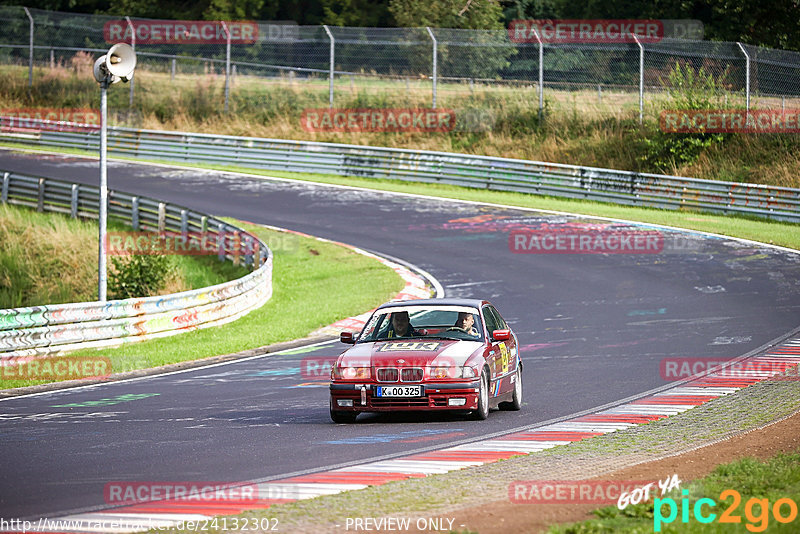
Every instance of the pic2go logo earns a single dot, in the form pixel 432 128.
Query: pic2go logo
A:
pixel 758 521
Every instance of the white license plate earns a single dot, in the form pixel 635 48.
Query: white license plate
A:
pixel 399 391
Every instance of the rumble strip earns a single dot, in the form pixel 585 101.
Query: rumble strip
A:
pixel 684 396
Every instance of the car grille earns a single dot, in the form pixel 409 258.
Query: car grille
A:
pixel 390 402
pixel 411 374
pixel 386 374
pixel 405 374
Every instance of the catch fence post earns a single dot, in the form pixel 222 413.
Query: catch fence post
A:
pixel 435 64
pixel 133 45
pixel 332 59
pixel 227 63
pixel 641 78
pixel 747 75
pixel 30 49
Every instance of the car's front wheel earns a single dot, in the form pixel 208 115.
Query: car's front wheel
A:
pixel 338 416
pixel 516 396
pixel 483 398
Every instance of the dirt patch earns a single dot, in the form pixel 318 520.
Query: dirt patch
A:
pixel 503 516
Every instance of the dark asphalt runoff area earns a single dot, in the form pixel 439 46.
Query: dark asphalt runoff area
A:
pixel 593 329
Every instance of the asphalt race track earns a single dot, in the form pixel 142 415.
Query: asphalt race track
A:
pixel 593 329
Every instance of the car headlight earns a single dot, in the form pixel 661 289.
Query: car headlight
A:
pixel 441 372
pixel 351 373
pixel 451 372
pixel 468 372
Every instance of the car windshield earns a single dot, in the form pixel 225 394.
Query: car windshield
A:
pixel 439 322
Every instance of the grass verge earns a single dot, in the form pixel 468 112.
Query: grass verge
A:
pixel 314 284
pixel 746 227
pixel 50 258
pixel 772 232
pixel 760 485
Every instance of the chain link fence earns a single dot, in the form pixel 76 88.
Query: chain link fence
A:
pixel 431 65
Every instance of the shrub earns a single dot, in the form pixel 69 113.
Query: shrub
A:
pixel 139 275
pixel 687 89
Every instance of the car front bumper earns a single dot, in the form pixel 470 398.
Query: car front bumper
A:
pixel 436 396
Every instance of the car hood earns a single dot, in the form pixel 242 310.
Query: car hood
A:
pixel 413 353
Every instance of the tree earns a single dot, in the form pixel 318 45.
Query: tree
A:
pixel 233 9
pixel 370 13
pixel 532 9
pixel 460 54
pixel 463 14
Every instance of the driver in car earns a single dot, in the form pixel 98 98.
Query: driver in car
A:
pixel 466 322
pixel 401 326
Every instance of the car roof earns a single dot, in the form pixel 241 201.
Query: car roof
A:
pixel 473 303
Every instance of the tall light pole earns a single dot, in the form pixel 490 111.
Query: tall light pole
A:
pixel 115 66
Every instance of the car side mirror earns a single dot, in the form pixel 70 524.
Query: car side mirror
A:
pixel 501 335
pixel 347 337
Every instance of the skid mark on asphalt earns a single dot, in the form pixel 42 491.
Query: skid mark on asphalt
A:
pixel 684 396
pixel 119 399
pixel 404 436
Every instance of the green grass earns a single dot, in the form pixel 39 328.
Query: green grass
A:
pixel 774 479
pixel 314 284
pixel 50 258
pixel 204 271
pixel 43 258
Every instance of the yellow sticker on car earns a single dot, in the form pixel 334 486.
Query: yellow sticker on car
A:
pixel 503 356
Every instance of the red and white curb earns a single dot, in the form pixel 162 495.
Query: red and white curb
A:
pixel 697 391
pixel 415 288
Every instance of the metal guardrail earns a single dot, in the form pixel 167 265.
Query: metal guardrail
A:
pixel 492 173
pixel 52 329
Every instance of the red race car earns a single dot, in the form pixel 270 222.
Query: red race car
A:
pixel 432 355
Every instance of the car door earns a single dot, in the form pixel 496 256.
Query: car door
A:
pixel 494 356
pixel 504 352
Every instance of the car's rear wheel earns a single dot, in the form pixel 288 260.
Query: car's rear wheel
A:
pixel 483 398
pixel 338 416
pixel 516 396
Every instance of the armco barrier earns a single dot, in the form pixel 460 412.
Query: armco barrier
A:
pixel 621 187
pixel 52 329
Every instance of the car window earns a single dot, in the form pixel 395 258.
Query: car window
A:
pixel 426 322
pixel 490 319
pixel 501 324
